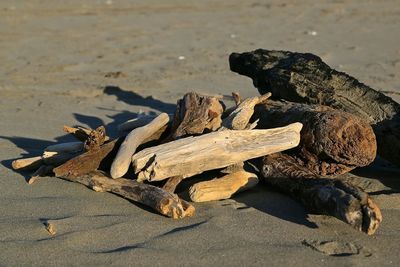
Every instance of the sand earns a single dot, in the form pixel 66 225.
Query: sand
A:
pixel 102 62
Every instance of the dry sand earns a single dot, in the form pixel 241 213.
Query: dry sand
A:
pixel 55 56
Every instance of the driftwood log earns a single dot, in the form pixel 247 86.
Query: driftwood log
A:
pixel 132 141
pixel 191 155
pixel 196 114
pixel 86 162
pixel 237 179
pixel 160 200
pixel 332 141
pixel 223 187
pixel 305 78
pixel 320 195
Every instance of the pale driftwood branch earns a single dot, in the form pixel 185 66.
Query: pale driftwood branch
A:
pixel 160 200
pixel 70 147
pixel 48 158
pixel 240 117
pixel 27 163
pixel 192 154
pixel 135 138
pixel 224 187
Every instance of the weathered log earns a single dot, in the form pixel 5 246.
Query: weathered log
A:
pixel 305 78
pixel 321 195
pixel 86 162
pixel 223 187
pixel 158 199
pixel 196 114
pixel 192 154
pixel 132 141
pixel 332 141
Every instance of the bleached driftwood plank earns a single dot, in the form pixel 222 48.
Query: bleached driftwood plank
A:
pixel 192 155
pixel 224 187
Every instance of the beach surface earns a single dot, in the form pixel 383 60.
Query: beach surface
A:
pixel 93 63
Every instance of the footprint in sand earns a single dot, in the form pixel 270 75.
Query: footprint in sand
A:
pixel 336 248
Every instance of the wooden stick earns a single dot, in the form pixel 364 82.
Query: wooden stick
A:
pixel 172 183
pixel 135 138
pixel 86 162
pixel 305 78
pixel 226 147
pixel 27 163
pixel 160 200
pixel 224 187
pixel 240 117
pixel 80 133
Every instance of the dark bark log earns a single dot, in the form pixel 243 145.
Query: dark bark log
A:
pixel 305 78
pixel 321 195
pixel 86 162
pixel 332 141
pixel 158 199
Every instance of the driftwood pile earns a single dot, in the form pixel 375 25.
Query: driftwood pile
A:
pixel 296 147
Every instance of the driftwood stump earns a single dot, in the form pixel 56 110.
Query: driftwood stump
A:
pixel 305 78
pixel 196 114
pixel 332 141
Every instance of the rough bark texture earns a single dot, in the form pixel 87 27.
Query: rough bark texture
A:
pixel 95 139
pixel 85 163
pixel 196 114
pixel 223 187
pixel 305 78
pixel 192 154
pixel 321 195
pixel 332 141
pixel 160 200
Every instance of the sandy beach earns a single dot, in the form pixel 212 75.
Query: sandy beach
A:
pixel 98 62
